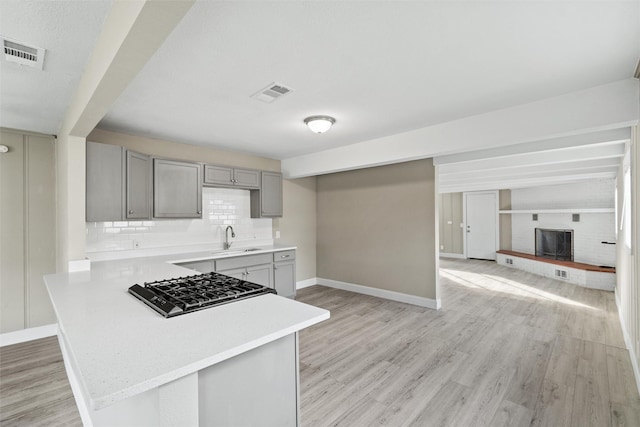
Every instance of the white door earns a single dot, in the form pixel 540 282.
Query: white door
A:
pixel 481 227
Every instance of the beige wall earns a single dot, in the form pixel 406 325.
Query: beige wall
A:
pixel 298 223
pixel 451 234
pixel 181 151
pixel 504 200
pixel 377 228
pixel 70 203
pixel 628 262
pixel 27 229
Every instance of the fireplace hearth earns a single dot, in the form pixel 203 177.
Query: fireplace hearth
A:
pixel 554 244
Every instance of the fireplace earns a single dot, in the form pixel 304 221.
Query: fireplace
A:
pixel 554 244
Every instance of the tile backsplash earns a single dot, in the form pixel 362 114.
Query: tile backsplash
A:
pixel 220 207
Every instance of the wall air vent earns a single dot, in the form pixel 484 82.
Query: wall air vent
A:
pixel 22 54
pixel 562 274
pixel 271 92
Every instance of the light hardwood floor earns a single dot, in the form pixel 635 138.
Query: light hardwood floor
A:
pixel 508 349
pixel 34 389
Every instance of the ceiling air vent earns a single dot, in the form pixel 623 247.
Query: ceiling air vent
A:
pixel 23 54
pixel 271 93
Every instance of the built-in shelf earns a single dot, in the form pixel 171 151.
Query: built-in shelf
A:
pixel 558 211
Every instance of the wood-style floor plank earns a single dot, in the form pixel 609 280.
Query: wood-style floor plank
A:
pixel 508 348
pixel 34 389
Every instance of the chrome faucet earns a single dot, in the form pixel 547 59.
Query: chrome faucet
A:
pixel 227 245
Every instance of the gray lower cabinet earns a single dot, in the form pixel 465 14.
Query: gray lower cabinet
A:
pixel 260 274
pixel 284 273
pixel 231 177
pixel 267 202
pixel 252 268
pixel 118 183
pixel 275 270
pixel 177 189
pixel 237 273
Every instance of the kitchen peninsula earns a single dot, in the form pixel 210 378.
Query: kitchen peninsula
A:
pixel 234 364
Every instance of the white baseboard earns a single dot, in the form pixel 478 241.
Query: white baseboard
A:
pixel 448 255
pixel 306 283
pixel 28 334
pixel 382 293
pixel 629 344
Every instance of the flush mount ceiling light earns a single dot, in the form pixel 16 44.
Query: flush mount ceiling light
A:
pixel 319 124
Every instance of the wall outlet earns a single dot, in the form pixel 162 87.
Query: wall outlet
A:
pixel 442 247
pixel 277 234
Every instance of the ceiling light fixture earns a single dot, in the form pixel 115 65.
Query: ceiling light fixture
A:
pixel 319 124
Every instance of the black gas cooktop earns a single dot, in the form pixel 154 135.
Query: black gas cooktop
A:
pixel 182 295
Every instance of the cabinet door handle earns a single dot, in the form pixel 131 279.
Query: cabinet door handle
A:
pixel 275 268
pixel 199 212
pixel 248 273
pixel 130 211
pixel 285 256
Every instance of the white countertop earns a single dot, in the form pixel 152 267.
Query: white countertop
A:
pixel 121 347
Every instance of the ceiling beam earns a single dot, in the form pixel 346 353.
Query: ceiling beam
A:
pixel 611 136
pixel 523 183
pixel 131 34
pixel 592 152
pixel 610 106
pixel 535 171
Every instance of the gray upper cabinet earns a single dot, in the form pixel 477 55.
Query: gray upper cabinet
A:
pixel 246 178
pixel 231 177
pixel 138 186
pixel 118 183
pixel 177 189
pixel 267 203
pixel 105 182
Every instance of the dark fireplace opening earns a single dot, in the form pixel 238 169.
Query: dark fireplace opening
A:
pixel 554 244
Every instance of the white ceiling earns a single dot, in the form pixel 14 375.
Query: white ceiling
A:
pixel 37 100
pixel 380 68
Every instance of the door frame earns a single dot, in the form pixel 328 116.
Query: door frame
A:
pixel 496 193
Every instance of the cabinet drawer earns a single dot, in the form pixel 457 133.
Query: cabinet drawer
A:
pixel 284 255
pixel 242 261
